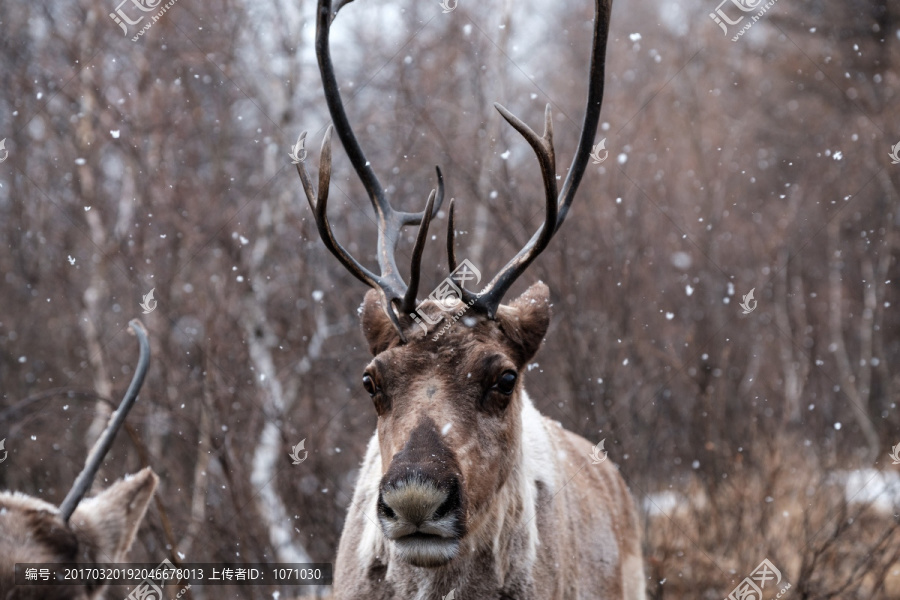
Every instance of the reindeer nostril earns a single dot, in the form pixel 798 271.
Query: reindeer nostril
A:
pixel 385 510
pixel 451 503
pixel 444 508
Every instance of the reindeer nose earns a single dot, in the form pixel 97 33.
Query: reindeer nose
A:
pixel 422 499
pixel 422 492
pixel 417 503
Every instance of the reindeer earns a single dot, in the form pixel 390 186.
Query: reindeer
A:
pixel 466 490
pixel 99 529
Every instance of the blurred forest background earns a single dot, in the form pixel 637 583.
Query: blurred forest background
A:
pixel 758 164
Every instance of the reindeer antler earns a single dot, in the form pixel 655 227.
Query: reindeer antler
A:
pixel 557 207
pixel 102 445
pixel 392 289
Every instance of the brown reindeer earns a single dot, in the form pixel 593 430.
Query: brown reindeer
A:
pixel 467 491
pixel 99 529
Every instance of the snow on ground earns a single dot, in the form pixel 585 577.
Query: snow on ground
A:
pixel 881 489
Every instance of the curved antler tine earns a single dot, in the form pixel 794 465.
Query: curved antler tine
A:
pixel 557 206
pixel 324 227
pixel 319 206
pixel 409 299
pixel 467 296
pixel 548 133
pixel 451 238
pixel 543 148
pixel 336 106
pixel 324 170
pixel 101 447
pixel 597 76
pixel 440 192
pixel 415 218
pixel 440 196
pixel 325 166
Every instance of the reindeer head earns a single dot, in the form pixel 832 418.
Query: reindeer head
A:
pixel 99 529
pixel 449 405
pixel 449 418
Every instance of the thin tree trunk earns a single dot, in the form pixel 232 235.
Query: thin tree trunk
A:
pixel 269 450
pixel 97 288
pixel 201 473
pixel 857 394
pixel 790 360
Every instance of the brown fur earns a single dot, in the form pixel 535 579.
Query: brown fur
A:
pixel 533 517
pixel 101 529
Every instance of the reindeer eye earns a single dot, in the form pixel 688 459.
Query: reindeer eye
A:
pixel 506 383
pixel 369 384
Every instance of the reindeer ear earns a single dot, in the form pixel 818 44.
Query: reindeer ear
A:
pixel 525 321
pixel 376 326
pixel 110 520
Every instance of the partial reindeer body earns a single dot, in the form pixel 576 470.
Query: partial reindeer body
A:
pixel 509 502
pixel 466 489
pixel 101 529
pixel 97 530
